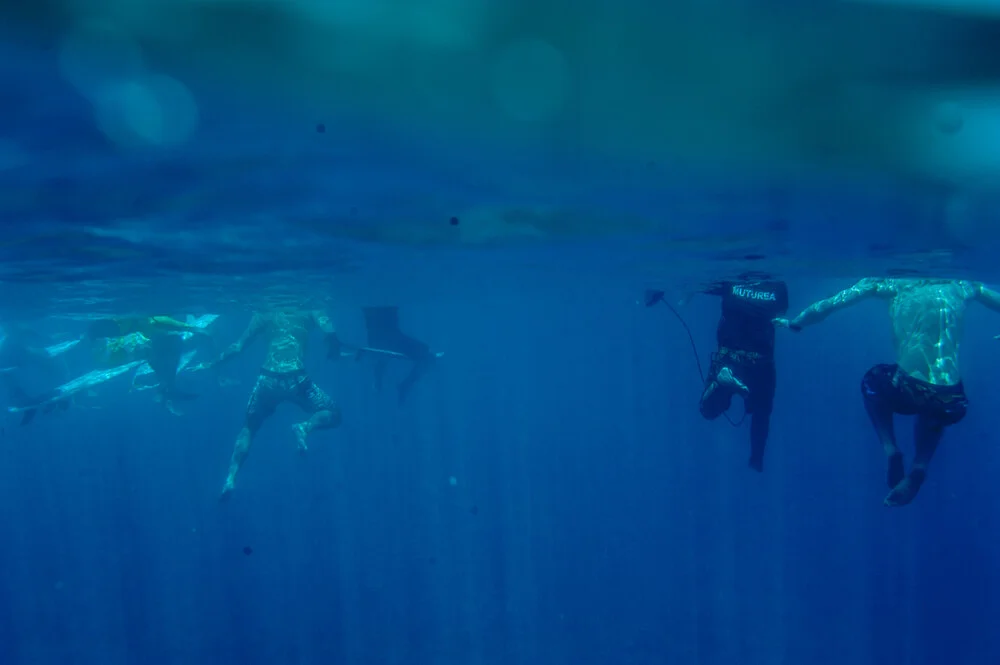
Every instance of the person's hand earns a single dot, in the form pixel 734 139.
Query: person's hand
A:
pixel 652 297
pixel 785 323
pixel 333 346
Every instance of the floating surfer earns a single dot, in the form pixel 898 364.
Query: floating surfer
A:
pixel 387 341
pixel 927 317
pixel 283 378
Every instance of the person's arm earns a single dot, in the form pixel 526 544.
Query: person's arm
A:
pixel 654 296
pixel 169 324
pixel 986 296
pixel 818 311
pixel 719 289
pixel 239 346
pixel 325 325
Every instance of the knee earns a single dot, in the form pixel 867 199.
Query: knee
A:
pixel 250 426
pixel 954 414
pixel 243 440
pixel 875 379
pixel 866 384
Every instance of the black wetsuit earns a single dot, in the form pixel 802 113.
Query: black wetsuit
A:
pixel 384 333
pixel 746 346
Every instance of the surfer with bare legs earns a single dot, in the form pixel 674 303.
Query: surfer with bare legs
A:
pixel 927 317
pixel 283 378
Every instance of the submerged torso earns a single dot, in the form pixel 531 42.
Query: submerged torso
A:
pixel 927 324
pixel 747 311
pixel 288 341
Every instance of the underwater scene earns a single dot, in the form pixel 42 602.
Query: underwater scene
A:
pixel 497 332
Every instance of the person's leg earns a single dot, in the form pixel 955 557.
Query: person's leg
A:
pixel 163 355
pixel 936 415
pixel 381 363
pixel 324 413
pixel 927 434
pixel 420 367
pixel 716 397
pixel 261 405
pixel 422 359
pixel 760 402
pixel 878 391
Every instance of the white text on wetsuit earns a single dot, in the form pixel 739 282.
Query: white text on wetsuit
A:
pixel 750 294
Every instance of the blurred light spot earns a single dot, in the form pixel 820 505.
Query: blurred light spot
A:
pixel 970 153
pixel 452 480
pixel 152 110
pixel 97 52
pixel 530 80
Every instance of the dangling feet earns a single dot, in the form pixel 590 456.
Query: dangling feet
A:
pixel 896 472
pixel 301 432
pixel 906 490
pixel 726 378
pixel 227 488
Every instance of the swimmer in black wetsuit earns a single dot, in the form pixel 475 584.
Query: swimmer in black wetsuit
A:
pixel 384 333
pixel 744 362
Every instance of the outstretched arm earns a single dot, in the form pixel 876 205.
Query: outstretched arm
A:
pixel 720 289
pixel 249 335
pixel 865 288
pixel 169 324
pixel 987 296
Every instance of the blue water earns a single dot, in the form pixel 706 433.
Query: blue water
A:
pixel 549 494
pixel 594 516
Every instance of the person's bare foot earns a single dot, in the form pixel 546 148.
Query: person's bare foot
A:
pixel 725 377
pixel 906 490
